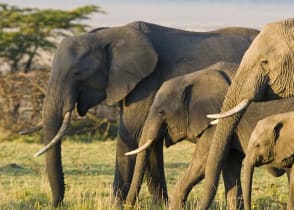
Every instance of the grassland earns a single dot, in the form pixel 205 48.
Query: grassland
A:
pixel 89 169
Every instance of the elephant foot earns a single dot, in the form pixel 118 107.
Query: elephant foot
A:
pixel 117 202
pixel 57 199
pixel 56 203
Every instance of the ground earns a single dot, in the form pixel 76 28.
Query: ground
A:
pixel 89 169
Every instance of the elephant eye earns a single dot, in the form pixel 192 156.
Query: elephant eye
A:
pixel 161 112
pixel 264 62
pixel 257 145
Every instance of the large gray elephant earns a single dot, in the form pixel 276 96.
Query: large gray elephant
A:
pixel 179 112
pixel 272 144
pixel 266 72
pixel 126 65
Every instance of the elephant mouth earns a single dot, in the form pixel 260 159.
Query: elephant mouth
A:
pixel 87 99
pixel 81 108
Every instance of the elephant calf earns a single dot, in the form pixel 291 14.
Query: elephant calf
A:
pixel 179 112
pixel 271 143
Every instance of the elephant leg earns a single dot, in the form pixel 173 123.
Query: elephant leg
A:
pixel 231 175
pixel 124 166
pixel 55 174
pixel 290 204
pixel 155 173
pixel 194 173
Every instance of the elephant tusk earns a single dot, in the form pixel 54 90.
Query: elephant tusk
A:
pixel 58 136
pixel 214 122
pixel 242 105
pixel 31 130
pixel 140 149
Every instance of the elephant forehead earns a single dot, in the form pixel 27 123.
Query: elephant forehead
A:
pixel 261 130
pixel 170 88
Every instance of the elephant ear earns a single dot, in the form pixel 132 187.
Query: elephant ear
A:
pixel 208 92
pixel 131 58
pixel 283 148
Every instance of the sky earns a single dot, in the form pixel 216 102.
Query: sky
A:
pixel 198 15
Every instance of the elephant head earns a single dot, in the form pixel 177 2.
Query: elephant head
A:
pixel 87 69
pixel 92 67
pixel 266 72
pixel 179 111
pixel 271 143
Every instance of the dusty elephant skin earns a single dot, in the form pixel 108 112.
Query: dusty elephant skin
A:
pixel 126 65
pixel 272 144
pixel 179 112
pixel 266 72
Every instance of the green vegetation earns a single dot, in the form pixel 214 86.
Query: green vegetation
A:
pixel 89 169
pixel 25 31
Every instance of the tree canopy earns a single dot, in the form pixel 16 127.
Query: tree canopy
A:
pixel 25 31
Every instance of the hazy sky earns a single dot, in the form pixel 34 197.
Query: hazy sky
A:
pixel 187 14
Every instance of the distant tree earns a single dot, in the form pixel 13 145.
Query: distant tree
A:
pixel 24 31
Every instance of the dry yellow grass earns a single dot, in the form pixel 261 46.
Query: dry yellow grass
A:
pixel 89 169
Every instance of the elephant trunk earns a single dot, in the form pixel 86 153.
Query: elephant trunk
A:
pixel 250 89
pixel 53 113
pixel 151 131
pixel 51 123
pixel 248 174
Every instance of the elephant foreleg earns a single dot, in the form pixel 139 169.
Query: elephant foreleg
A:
pixel 231 176
pixel 155 173
pixel 124 166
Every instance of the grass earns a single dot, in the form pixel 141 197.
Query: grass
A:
pixel 89 169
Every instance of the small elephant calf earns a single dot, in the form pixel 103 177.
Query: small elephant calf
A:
pixel 272 144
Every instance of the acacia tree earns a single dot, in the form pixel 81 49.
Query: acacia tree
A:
pixel 24 31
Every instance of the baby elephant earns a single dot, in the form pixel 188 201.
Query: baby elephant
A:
pixel 272 144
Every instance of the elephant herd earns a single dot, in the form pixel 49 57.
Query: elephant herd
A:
pixel 168 84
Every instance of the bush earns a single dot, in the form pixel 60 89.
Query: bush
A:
pixel 21 100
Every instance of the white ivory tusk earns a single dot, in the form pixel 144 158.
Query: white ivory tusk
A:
pixel 140 149
pixel 214 122
pixel 242 105
pixel 58 136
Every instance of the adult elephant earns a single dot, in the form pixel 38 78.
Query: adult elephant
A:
pixel 266 72
pixel 179 112
pixel 126 65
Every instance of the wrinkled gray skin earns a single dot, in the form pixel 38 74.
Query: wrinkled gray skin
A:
pixel 127 65
pixel 266 72
pixel 272 144
pixel 179 112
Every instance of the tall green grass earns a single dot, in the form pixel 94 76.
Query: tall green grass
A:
pixel 89 169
